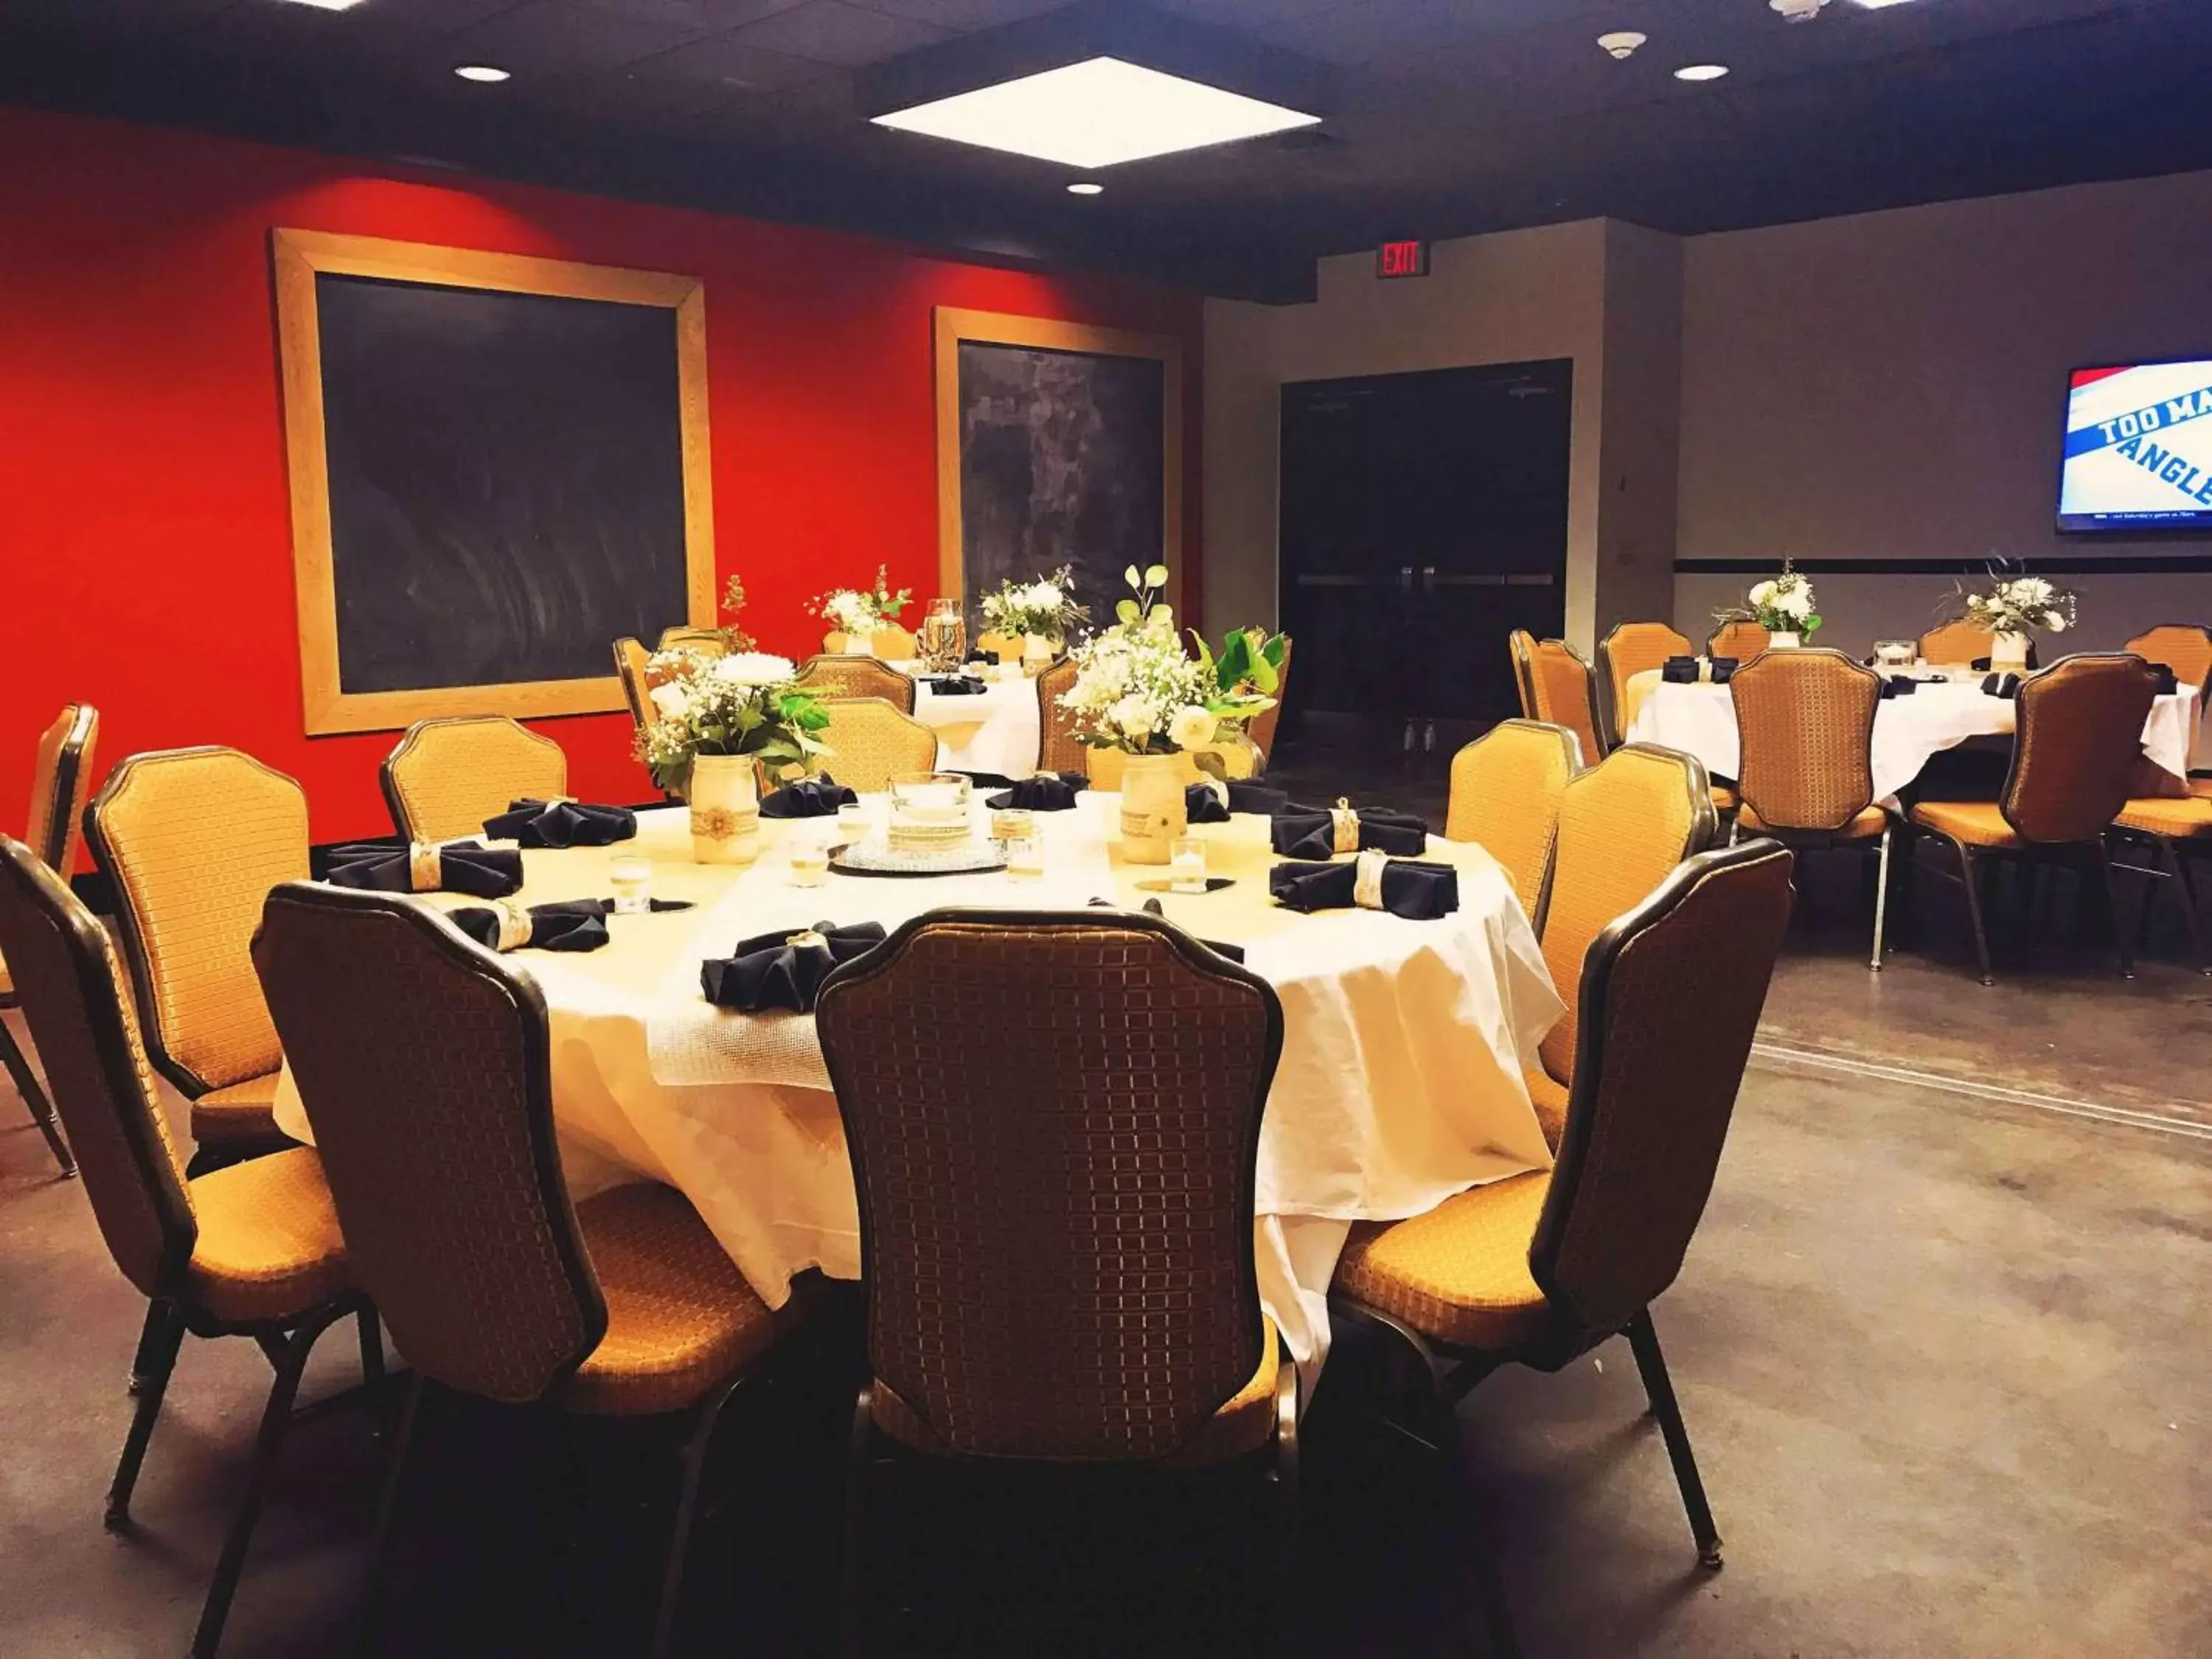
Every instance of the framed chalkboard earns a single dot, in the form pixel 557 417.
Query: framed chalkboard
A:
pixel 1056 444
pixel 499 465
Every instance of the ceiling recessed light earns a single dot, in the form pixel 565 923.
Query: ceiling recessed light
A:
pixel 1086 187
pixel 1622 43
pixel 483 72
pixel 328 5
pixel 1701 71
pixel 1095 113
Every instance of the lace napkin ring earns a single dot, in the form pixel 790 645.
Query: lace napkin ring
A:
pixel 806 938
pixel 514 925
pixel 1347 825
pixel 1367 879
pixel 425 866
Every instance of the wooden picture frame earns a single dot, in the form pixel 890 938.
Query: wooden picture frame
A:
pixel 299 257
pixel 955 326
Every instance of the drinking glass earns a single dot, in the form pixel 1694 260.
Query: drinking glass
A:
pixel 1895 654
pixel 943 636
pixel 1012 823
pixel 631 878
pixel 1187 863
pixel 810 859
pixel 1025 857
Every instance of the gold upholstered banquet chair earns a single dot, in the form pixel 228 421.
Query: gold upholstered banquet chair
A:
pixel 829 677
pixel 1001 648
pixel 61 776
pixel 1741 640
pixel 869 742
pixel 2185 648
pixel 1565 687
pixel 1805 727
pixel 424 1061
pixel 1521 644
pixel 708 642
pixel 2179 832
pixel 1505 791
pixel 1262 728
pixel 251 1250
pixel 1956 643
pixel 1630 649
pixel 894 644
pixel 633 665
pixel 1624 824
pixel 192 840
pixel 2079 738
pixel 447 776
pixel 1540 1268
pixel 1057 749
pixel 1028 1298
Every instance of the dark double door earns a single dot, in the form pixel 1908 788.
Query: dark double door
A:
pixel 1423 516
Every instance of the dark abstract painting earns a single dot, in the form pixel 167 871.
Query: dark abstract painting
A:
pixel 1061 462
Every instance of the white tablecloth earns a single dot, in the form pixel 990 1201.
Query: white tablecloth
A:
pixel 1399 1085
pixel 1700 719
pixel 996 732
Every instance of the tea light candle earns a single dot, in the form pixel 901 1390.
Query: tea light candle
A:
pixel 1187 865
pixel 1012 823
pixel 631 878
pixel 854 820
pixel 1025 857
pixel 809 863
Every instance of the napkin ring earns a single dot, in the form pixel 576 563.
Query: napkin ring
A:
pixel 425 866
pixel 808 938
pixel 1367 879
pixel 725 823
pixel 514 925
pixel 1347 825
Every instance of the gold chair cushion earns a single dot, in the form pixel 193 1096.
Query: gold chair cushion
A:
pixel 269 1246
pixel 1870 822
pixel 1724 798
pixel 2160 815
pixel 1976 822
pixel 1458 1273
pixel 1244 1423
pixel 1549 1096
pixel 680 1316
pixel 243 1111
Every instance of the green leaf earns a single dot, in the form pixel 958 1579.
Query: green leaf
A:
pixel 1157 576
pixel 1127 611
pixel 1131 577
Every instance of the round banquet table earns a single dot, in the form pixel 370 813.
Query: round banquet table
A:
pixel 1700 719
pixel 995 731
pixel 1404 1048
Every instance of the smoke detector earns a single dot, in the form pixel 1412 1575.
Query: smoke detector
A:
pixel 1798 11
pixel 1622 43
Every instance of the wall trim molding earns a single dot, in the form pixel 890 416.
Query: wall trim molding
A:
pixel 2063 564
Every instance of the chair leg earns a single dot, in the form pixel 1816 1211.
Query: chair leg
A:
pixel 2112 911
pixel 1285 1477
pixel 275 1417
pixel 1881 901
pixel 709 1413
pixel 1659 1388
pixel 42 1109
pixel 387 1510
pixel 852 1601
pixel 164 1333
pixel 2185 887
pixel 1967 875
pixel 372 1346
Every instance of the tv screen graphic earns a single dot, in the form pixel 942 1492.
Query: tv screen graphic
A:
pixel 2138 448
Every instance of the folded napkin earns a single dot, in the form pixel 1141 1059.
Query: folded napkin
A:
pixel 957 685
pixel 1405 887
pixel 2168 681
pixel 563 925
pixel 783 970
pixel 1320 832
pixel 561 823
pixel 464 867
pixel 1213 800
pixel 1679 671
pixel 1154 907
pixel 1898 685
pixel 1723 670
pixel 809 798
pixel 2000 685
pixel 1047 792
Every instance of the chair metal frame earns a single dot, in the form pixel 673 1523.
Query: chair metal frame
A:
pixel 1523 646
pixel 642 711
pixel 52 850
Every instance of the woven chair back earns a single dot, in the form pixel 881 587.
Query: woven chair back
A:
pixel 1057 749
pixel 1505 791
pixel 1053 1121
pixel 1956 642
pixel 2077 746
pixel 61 779
pixel 1671 994
pixel 448 775
pixel 423 1061
pixel 870 742
pixel 81 1017
pixel 631 665
pixel 706 641
pixel 1633 649
pixel 1741 640
pixel 192 840
pixel 1521 644
pixel 2185 648
pixel 830 678
pixel 1805 720
pixel 1566 694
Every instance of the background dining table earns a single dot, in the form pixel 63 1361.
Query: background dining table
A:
pixel 995 730
pixel 1401 1082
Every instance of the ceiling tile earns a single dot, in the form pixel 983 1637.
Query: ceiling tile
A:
pixel 730 62
pixel 561 36
pixel 698 13
pixel 966 14
pixel 831 32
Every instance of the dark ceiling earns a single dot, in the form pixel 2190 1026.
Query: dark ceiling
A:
pixel 1444 117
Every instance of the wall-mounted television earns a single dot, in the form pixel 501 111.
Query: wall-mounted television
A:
pixel 2138 449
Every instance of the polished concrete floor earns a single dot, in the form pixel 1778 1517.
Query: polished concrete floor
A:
pixel 1941 1342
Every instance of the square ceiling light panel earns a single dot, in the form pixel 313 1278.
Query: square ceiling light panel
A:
pixel 1095 113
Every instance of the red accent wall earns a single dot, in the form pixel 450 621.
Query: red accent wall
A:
pixel 145 530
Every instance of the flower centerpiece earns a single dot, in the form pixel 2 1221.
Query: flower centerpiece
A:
pixel 1782 605
pixel 722 722
pixel 2012 608
pixel 1139 692
pixel 1248 664
pixel 1041 614
pixel 855 614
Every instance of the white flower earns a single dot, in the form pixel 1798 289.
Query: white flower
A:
pixel 1134 715
pixel 1042 596
pixel 1191 726
pixel 673 702
pixel 1762 593
pixel 2054 622
pixel 1795 603
pixel 753 668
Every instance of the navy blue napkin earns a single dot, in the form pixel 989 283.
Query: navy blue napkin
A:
pixel 1723 670
pixel 1417 891
pixel 784 970
pixel 2168 681
pixel 1898 685
pixel 1047 792
pixel 957 685
pixel 1310 832
pixel 536 823
pixel 563 925
pixel 2000 685
pixel 809 798
pixel 1679 671
pixel 1202 805
pixel 466 867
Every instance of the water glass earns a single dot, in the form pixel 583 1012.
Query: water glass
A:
pixel 631 878
pixel 1025 857
pixel 810 859
pixel 1187 863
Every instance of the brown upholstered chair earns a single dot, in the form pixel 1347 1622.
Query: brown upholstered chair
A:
pixel 447 776
pixel 869 742
pixel 61 776
pixel 632 665
pixel 2079 736
pixel 1805 727
pixel 1505 790
pixel 1565 689
pixel 830 677
pixel 252 1250
pixel 424 1063
pixel 1030 1295
pixel 193 839
pixel 708 642
pixel 2179 830
pixel 1540 1268
pixel 1630 649
pixel 1741 640
pixel 1522 645
pixel 1624 826
pixel 2186 649
pixel 1262 728
pixel 1057 749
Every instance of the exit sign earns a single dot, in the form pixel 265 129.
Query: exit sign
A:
pixel 1402 259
